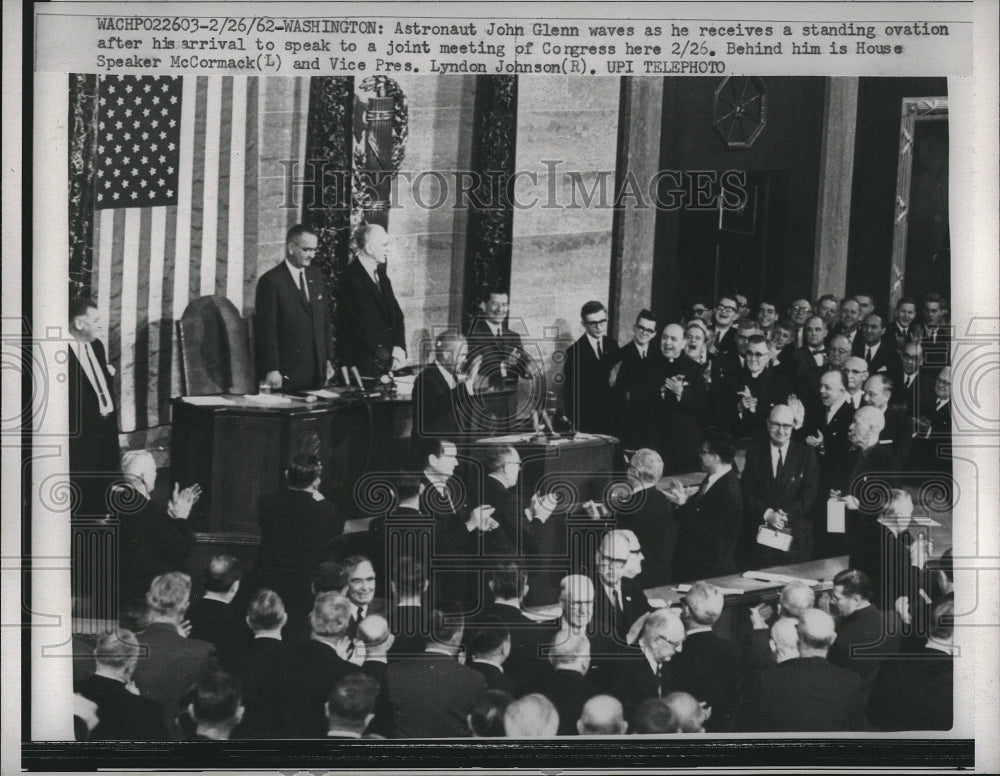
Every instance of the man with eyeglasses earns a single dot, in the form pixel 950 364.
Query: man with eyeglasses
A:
pixel 619 601
pixel 726 371
pixel 798 313
pixel 760 388
pixel 779 487
pixel 933 427
pixel 725 317
pixel 586 393
pixel 371 332
pixel 645 670
pixel 856 372
pixel 634 380
pixel 292 324
pixel 914 389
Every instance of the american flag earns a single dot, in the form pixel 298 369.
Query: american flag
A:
pixel 175 178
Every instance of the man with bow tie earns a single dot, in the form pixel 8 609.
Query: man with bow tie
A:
pixel 292 320
pixel 811 357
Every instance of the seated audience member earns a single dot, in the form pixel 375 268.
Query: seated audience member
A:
pixel 297 527
pixel 431 696
pixel 312 669
pixel 645 672
pixel 351 706
pixel 807 693
pixel 409 618
pixel 152 540
pixel 216 707
pixel 488 645
pixel 914 692
pixel 258 667
pixel 567 685
pixel 619 601
pixel 443 393
pixel 123 714
pixel 865 635
pixel 677 712
pixel 710 667
pixel 533 716
pixel 486 717
pixel 602 715
pixel 647 512
pixel 711 518
pixel 361 591
pixel 213 617
pixel 173 662
pixel 779 487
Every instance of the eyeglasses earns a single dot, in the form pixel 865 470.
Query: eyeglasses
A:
pixel 699 310
pixel 939 381
pixel 856 371
pixel 782 426
pixel 645 329
pixel 304 249
pixel 595 323
pixel 839 350
pixel 725 308
pixel 751 354
pixel 616 562
pixel 801 308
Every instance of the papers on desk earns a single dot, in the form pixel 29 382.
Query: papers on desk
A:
pixel 684 588
pixel 835 516
pixel 777 579
pixel 324 393
pixel 267 399
pixel 206 401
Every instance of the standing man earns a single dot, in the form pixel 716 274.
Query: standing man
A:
pixel 779 487
pixel 905 327
pixel 634 381
pixel 682 401
pixel 292 322
pixel 856 372
pixel 370 334
pixel 759 388
pixel 811 357
pixel 442 398
pixel 827 307
pixel 725 333
pixel 798 313
pixel 877 351
pixel 93 416
pixel 587 371
pixel 850 317
pixel 937 334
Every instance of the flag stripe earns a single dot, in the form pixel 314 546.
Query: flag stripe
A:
pixel 141 342
pixel 197 190
pixel 210 202
pixel 232 252
pixel 164 369
pixel 129 273
pixel 154 307
pixel 185 192
pixel 115 297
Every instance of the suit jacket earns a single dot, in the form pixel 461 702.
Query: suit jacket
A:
pixel 150 543
pixel 496 351
pixel 410 625
pixel 937 347
pixel 431 695
pixel 864 639
pixel 709 667
pixel 914 692
pixel 568 690
pixel 680 417
pixel 586 394
pixel 292 336
pixel 631 679
pixel 310 671
pixel 898 434
pixel 870 482
pixel 835 455
pixel 612 626
pixel 710 525
pixel 259 668
pixel 886 359
pixel 173 664
pixel 496 679
pixel 123 716
pixel 526 639
pixel 655 522
pixel 296 531
pixel 439 411
pixel 805 694
pixel 769 388
pixel 223 626
pixel 795 493
pixel 93 438
pixel 636 394
pixel 727 345
pixel 911 399
pixel 912 333
pixel 370 321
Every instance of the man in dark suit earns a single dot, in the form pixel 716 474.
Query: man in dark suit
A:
pixel 618 600
pixel 725 371
pixel 709 667
pixel 850 319
pixel 866 637
pixel 779 488
pixel 798 313
pixel 124 715
pixel 648 513
pixel 914 691
pixel 634 380
pixel 443 399
pixel 259 665
pixel 936 341
pixel 152 540
pixel 904 326
pixel 173 662
pixel 93 416
pixel 586 392
pixel 371 334
pixel 810 358
pixel 567 685
pixel 213 617
pixel 504 359
pixel 292 320
pixel 431 695
pixel 933 428
pixel 877 351
pixel 781 347
pixel 759 388
pixel 361 589
pixel 216 707
pixel 351 707
pixel 488 645
pixel 312 669
pixel 409 618
pixel 711 518
pixel 898 429
pixel 682 400
pixel 297 527
pixel 912 393
pixel 725 316
pixel 497 487
pixel 807 693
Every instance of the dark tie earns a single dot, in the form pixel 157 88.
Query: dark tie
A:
pixel 361 613
pixel 868 355
pixel 302 286
pixel 780 468
pixel 600 351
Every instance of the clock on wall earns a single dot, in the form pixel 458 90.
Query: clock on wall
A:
pixel 739 110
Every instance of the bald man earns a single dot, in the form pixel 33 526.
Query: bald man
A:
pixel 795 599
pixel 602 715
pixel 371 334
pixel 807 693
pixel 682 399
pixel 443 393
pixel 619 601
pixel 779 487
pixel 532 716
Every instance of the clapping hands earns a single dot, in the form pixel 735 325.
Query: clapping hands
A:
pixel 181 502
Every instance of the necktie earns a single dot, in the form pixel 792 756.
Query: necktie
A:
pixel 600 351
pixel 302 286
pixel 361 613
pixel 868 355
pixel 104 402
pixel 909 381
pixel 780 467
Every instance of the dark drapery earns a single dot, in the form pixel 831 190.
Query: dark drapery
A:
pixel 82 138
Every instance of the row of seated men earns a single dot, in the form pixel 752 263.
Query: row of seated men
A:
pixel 375 668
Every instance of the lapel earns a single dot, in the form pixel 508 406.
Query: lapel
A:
pixel 791 460
pixel 293 288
